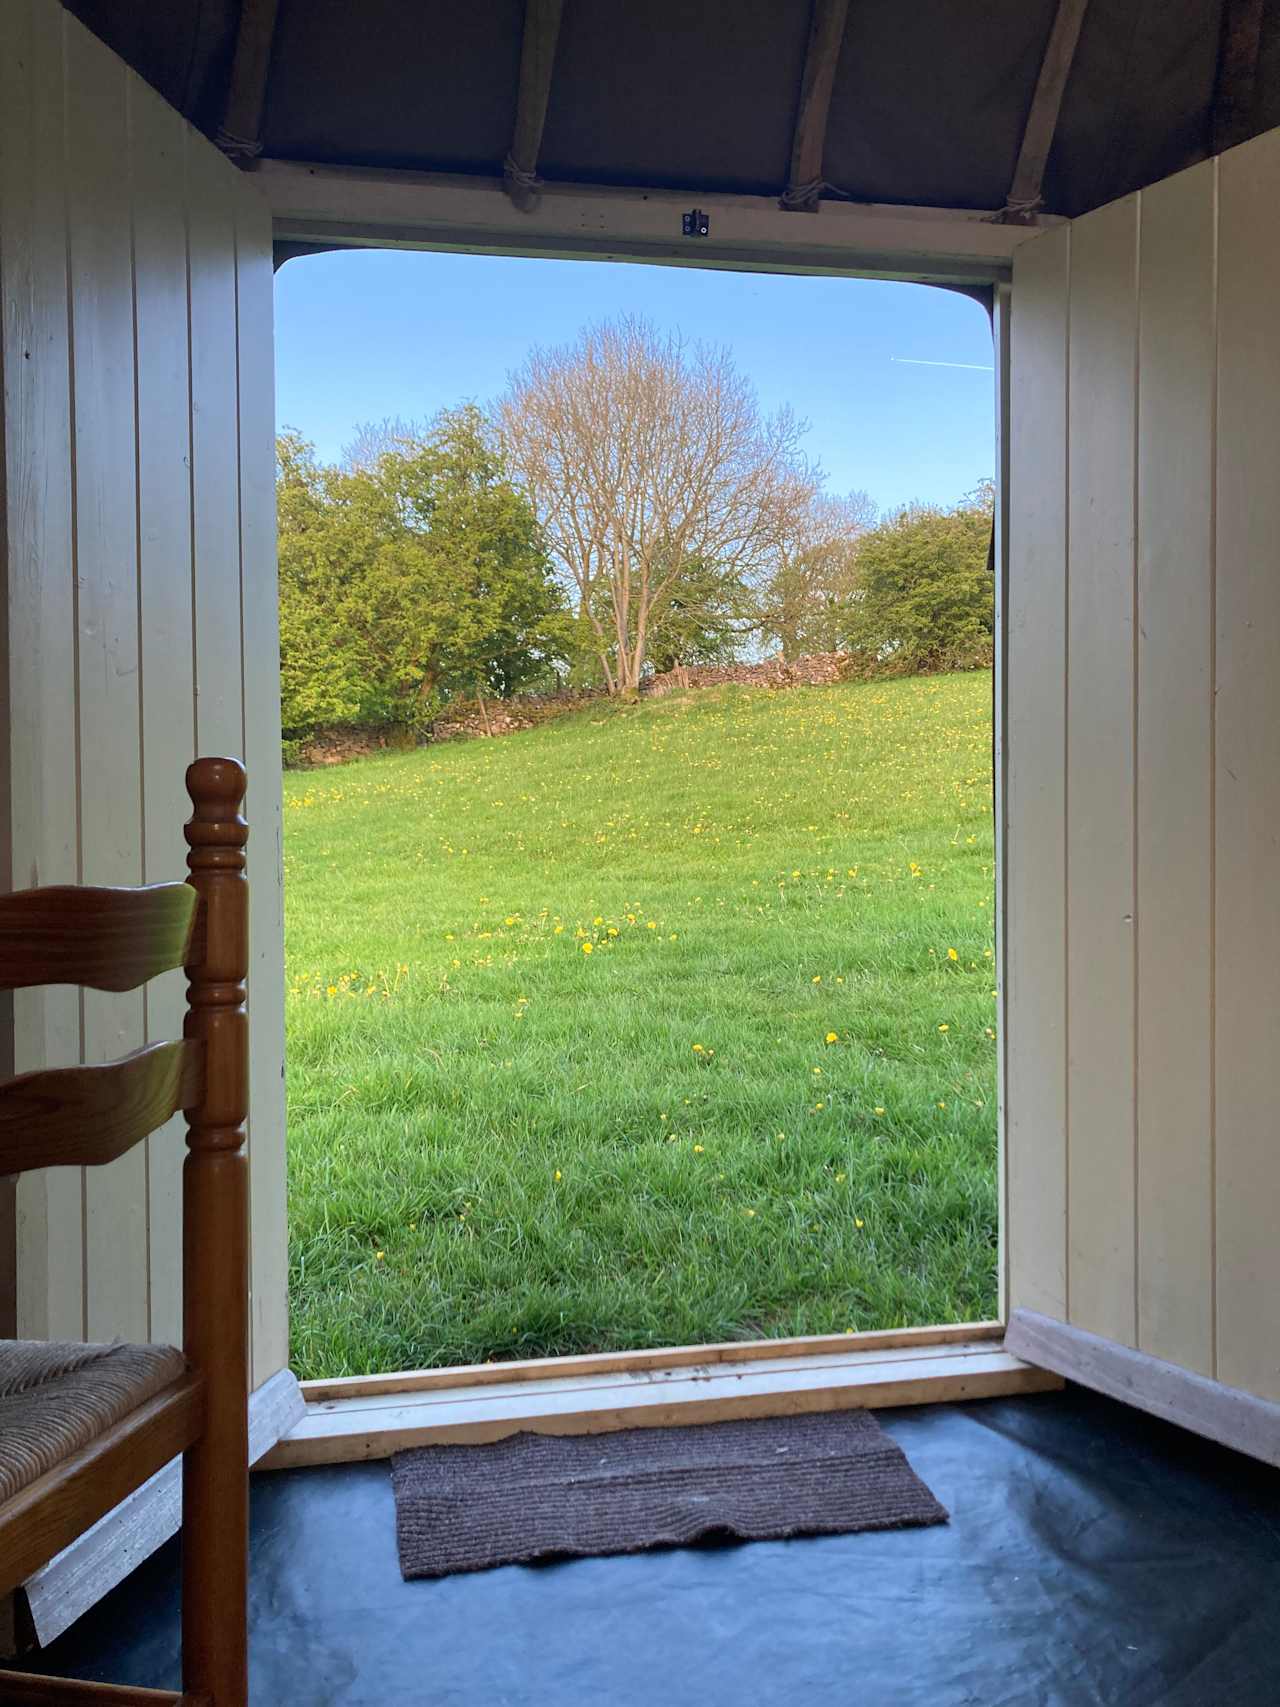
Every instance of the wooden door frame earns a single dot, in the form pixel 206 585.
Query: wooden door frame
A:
pixel 336 207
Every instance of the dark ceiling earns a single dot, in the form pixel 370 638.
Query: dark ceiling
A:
pixel 929 105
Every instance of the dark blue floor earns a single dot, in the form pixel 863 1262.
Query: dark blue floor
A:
pixel 1093 1556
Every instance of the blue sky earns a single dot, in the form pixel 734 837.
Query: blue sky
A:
pixel 371 333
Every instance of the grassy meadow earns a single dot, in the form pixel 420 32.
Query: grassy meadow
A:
pixel 660 1023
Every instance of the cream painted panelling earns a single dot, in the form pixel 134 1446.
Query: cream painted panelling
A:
pixel 1143 775
pixel 139 559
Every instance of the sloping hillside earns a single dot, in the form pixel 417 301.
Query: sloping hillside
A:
pixel 656 1024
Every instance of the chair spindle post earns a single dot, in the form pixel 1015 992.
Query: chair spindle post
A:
pixel 216 1245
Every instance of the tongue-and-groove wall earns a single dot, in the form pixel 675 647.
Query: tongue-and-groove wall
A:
pixel 1142 752
pixel 139 555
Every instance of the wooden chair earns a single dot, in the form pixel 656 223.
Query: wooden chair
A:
pixel 81 1427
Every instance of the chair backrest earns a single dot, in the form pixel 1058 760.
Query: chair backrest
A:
pixel 119 939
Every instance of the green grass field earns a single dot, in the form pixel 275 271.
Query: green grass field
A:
pixel 660 1023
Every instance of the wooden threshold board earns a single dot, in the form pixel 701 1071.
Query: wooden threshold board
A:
pixel 375 1424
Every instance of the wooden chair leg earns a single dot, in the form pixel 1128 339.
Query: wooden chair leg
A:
pixel 215 1245
pixel 215 1475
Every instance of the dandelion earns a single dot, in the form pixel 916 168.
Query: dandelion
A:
pixel 944 1027
pixel 698 1049
pixel 379 1255
pixel 697 1149
pixel 586 948
pixel 818 978
pixel 857 1222
pixel 840 1179
pixel 952 955
pixel 748 1211
pixel 879 1111
pixel 559 1175
pixel 832 1037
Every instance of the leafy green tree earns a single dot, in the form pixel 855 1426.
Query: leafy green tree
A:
pixel 319 672
pixel 707 613
pixel 410 579
pixel 926 592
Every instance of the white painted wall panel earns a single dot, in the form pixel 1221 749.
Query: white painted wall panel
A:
pixel 139 475
pixel 41 610
pixel 1247 1170
pixel 1171 908
pixel 1100 772
pixel 109 753
pixel 1035 1114
pixel 261 619
pixel 1175 783
pixel 157 168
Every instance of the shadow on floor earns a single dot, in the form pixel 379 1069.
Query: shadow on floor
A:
pixel 1094 1556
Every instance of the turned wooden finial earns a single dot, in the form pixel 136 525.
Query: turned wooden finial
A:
pixel 216 787
pixel 216 836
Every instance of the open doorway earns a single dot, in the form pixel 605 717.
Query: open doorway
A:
pixel 640 986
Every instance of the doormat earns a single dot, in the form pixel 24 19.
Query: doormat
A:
pixel 538 1496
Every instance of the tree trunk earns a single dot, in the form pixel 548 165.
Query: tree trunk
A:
pixel 484 715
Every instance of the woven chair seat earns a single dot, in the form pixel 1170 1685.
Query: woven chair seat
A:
pixel 58 1396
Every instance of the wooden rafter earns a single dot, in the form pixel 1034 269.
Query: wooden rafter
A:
pixel 809 139
pixel 1027 188
pixel 1237 72
pixel 537 62
pixel 240 133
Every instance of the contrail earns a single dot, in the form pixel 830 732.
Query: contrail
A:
pixel 919 361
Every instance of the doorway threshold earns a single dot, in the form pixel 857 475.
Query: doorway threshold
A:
pixel 374 1416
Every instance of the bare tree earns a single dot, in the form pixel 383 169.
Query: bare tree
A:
pixel 373 439
pixel 806 598
pixel 646 459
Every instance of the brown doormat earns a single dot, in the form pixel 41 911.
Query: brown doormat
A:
pixel 536 1496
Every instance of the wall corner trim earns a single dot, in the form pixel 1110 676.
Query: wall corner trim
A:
pixel 1226 1414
